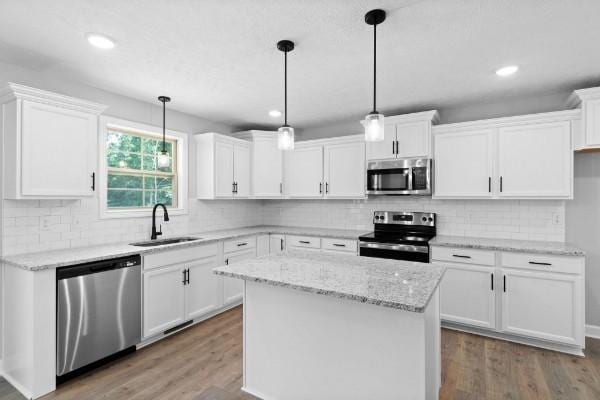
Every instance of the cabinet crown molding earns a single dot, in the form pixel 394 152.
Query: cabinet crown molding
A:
pixel 578 96
pixel 567 115
pixel 15 91
pixel 432 115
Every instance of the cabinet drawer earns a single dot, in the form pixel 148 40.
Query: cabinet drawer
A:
pixel 542 262
pixel 179 256
pixel 460 255
pixel 248 242
pixel 304 241
pixel 345 245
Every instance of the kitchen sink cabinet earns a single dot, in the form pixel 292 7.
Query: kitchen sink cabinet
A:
pixel 164 299
pixel 222 167
pixel 202 291
pixel 50 144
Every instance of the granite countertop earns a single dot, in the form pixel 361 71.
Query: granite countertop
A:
pixel 61 258
pixel 525 246
pixel 389 283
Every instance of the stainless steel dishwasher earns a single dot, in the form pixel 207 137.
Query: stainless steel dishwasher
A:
pixel 98 313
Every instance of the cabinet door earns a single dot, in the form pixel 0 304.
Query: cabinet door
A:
pixel 467 296
pixel 202 291
pixel 414 139
pixel 233 289
pixel 543 305
pixel 58 148
pixel 164 299
pixel 386 148
pixel 345 170
pixel 463 164
pixel 276 244
pixel 241 160
pixel 535 160
pixel 223 169
pixel 267 168
pixel 591 115
pixel 303 171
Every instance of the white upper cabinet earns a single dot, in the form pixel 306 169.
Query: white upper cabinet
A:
pixel 587 136
pixel 266 164
pixel 303 171
pixel 326 168
pixel 535 160
pixel 222 166
pixel 524 157
pixel 50 144
pixel 345 170
pixel 406 136
pixel 463 164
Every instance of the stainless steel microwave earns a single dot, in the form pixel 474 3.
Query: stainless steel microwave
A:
pixel 411 176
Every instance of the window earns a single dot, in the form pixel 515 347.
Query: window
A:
pixel 131 180
pixel 134 179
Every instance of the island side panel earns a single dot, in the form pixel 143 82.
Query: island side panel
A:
pixel 301 345
pixel 433 349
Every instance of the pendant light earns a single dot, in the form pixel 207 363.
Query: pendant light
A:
pixel 163 159
pixel 373 123
pixel 285 134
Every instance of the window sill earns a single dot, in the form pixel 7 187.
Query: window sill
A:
pixel 140 213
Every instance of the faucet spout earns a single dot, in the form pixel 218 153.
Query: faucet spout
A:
pixel 156 233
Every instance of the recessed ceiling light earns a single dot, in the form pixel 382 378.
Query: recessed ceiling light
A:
pixel 507 71
pixel 275 113
pixel 100 41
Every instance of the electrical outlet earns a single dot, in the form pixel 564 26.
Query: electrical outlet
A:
pixel 556 219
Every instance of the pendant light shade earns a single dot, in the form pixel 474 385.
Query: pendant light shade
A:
pixel 285 134
pixel 163 160
pixel 373 123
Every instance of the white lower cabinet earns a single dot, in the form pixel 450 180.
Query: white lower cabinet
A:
pixel 202 291
pixel 543 305
pixel 532 298
pixel 164 299
pixel 467 295
pixel 276 243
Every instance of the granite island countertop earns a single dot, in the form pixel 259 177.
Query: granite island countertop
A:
pixel 61 258
pixel 396 284
pixel 523 246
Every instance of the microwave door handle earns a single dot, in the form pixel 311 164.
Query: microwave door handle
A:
pixel 410 178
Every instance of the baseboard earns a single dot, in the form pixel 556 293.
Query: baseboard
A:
pixel 562 348
pixel 17 385
pixel 592 331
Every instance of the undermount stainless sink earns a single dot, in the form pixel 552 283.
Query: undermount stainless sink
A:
pixel 162 242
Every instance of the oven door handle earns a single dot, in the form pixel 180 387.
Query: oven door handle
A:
pixel 397 247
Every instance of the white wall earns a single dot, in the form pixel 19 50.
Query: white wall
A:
pixel 510 219
pixel 583 226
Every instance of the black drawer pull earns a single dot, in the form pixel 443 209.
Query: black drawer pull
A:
pixel 492 281
pixel 504 283
pixel 304 241
pixel 339 245
pixel 242 244
pixel 539 263
pixel 460 256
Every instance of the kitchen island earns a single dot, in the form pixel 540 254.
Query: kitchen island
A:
pixel 337 327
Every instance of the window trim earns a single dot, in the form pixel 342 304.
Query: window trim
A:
pixel 181 160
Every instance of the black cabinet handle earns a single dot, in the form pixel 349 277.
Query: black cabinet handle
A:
pixel 93 181
pixel 281 244
pixel 339 245
pixel 188 276
pixel 492 281
pixel 490 184
pixel 184 276
pixel 320 187
pixel 233 187
pixel 393 147
pixel 304 241
pixel 242 244
pixel 504 282
pixel 227 261
pixel 500 184
pixel 326 187
pixel 460 256
pixel 397 148
pixel 280 188
pixel 539 263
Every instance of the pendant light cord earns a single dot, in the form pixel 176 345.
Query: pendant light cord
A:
pixel 285 87
pixel 374 68
pixel 164 150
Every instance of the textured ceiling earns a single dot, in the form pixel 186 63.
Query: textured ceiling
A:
pixel 217 59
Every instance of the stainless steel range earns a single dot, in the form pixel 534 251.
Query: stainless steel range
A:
pixel 399 235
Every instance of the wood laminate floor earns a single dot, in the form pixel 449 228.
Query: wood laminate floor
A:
pixel 204 362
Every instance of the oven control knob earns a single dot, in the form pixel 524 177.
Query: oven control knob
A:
pixel 424 219
pixel 430 219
